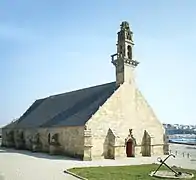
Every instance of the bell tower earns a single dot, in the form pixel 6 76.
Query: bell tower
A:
pixel 123 59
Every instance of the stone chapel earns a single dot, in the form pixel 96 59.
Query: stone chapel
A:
pixel 108 121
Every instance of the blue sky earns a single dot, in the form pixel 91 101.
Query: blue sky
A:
pixel 49 47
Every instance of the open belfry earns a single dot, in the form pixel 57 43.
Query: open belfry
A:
pixel 108 121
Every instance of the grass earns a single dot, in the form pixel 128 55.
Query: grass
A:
pixel 120 172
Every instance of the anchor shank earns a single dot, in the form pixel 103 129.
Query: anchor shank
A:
pixel 162 161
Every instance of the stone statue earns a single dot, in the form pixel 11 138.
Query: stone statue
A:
pixel 130 131
pixel 130 136
pixel 55 139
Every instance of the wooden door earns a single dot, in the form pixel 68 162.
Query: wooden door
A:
pixel 129 149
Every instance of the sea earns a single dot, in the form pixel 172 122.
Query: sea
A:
pixel 182 138
pixel 189 141
pixel 183 145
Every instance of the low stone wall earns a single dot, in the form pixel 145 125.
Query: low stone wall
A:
pixel 157 150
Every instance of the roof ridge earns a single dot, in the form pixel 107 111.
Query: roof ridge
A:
pixel 77 90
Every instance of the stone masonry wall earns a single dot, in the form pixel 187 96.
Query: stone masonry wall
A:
pixel 71 140
pixel 125 109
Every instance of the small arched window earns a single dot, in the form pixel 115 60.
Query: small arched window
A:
pixel 129 52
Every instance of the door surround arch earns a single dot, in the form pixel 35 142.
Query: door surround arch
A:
pixel 130 144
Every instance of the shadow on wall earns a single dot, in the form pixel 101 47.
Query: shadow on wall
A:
pixel 108 146
pixel 146 144
pixel 37 154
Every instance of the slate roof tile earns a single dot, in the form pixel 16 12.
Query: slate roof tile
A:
pixel 67 109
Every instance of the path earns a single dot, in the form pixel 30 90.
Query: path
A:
pixel 24 165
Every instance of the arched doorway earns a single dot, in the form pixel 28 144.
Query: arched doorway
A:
pixel 130 148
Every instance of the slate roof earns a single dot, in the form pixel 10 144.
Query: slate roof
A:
pixel 68 109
